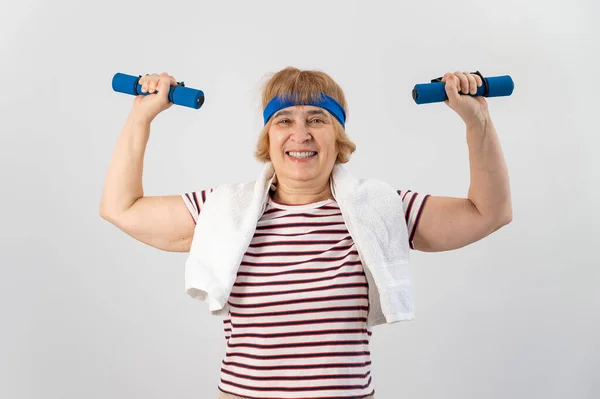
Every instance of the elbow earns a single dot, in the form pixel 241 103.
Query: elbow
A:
pixel 103 209
pixel 495 224
pixel 110 211
pixel 502 216
pixel 508 216
pixel 106 214
pixel 102 212
pixel 503 221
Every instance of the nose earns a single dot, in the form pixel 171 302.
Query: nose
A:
pixel 301 133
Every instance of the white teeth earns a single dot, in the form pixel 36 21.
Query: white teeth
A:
pixel 302 154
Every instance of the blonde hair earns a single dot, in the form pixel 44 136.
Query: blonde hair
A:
pixel 305 86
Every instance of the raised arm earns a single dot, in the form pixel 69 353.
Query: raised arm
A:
pixel 449 223
pixel 163 222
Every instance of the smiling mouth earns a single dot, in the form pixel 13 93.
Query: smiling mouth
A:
pixel 301 155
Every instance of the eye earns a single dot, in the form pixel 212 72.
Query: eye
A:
pixel 316 119
pixel 283 121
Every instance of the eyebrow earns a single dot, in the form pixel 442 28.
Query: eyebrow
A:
pixel 309 112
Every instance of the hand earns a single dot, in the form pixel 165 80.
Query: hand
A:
pixel 472 110
pixel 147 107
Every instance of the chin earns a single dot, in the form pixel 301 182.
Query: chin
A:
pixel 300 172
pixel 303 174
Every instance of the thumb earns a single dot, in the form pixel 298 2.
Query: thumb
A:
pixel 164 85
pixel 451 87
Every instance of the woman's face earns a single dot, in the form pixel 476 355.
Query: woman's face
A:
pixel 303 128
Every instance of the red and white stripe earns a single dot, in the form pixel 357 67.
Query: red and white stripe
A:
pixel 297 326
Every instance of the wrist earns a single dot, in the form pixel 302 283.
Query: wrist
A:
pixel 139 123
pixel 137 129
pixel 479 122
pixel 139 118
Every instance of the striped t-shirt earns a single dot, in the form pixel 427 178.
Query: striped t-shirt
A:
pixel 297 325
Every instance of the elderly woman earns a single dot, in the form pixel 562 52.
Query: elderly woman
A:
pixel 300 312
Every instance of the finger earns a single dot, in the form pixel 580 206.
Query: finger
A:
pixel 459 86
pixel 464 83
pixel 157 84
pixel 148 82
pixel 472 83
pixel 153 84
pixel 478 80
pixel 143 81
pixel 446 76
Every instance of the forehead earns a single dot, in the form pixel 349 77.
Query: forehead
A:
pixel 301 110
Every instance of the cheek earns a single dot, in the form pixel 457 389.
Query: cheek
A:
pixel 331 145
pixel 275 144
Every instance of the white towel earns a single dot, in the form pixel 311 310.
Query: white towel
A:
pixel 372 211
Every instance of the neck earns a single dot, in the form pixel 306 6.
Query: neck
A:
pixel 292 194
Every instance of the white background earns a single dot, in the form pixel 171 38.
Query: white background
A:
pixel 88 312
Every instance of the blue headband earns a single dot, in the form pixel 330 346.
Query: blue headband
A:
pixel 326 102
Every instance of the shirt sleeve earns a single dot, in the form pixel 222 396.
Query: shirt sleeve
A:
pixel 413 204
pixel 194 200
